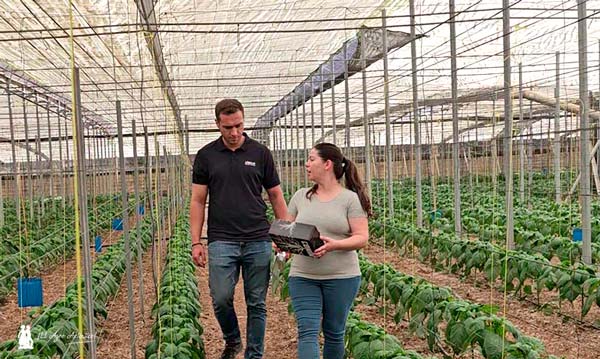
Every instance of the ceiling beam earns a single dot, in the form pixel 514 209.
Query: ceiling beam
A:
pixel 18 84
pixel 146 10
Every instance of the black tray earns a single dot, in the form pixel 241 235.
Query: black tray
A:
pixel 296 238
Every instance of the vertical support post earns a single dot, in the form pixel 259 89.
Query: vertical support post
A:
pixel 138 219
pixel 168 190
pixel 556 138
pixel 415 99
pixel 312 114
pixel 347 102
pixel 334 126
pixel 1 203
pixel 51 163
pixel 40 182
pixel 386 98
pixel 13 152
pixel 584 143
pixel 508 120
pixel 455 143
pixel 321 104
pixel 305 152
pixel 187 139
pixel 63 185
pixel 367 147
pixel 296 149
pixel 148 189
pixel 274 145
pixel 521 140
pixel 80 173
pixel 286 139
pixel 28 156
pixel 598 108
pixel 98 160
pixel 125 217
pixel 280 135
pixel 69 163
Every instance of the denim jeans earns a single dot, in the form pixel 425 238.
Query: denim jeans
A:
pixel 329 299
pixel 225 259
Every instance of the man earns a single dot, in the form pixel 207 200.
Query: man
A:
pixel 233 169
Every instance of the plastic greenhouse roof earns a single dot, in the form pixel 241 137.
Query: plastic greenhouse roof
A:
pixel 258 51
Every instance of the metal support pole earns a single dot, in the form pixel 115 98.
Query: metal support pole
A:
pixel 280 135
pixel 159 192
pixel 148 190
pixel 138 218
pixel 367 147
pixel 69 164
pixel 305 153
pixel 51 164
pixel 168 190
pixel 286 139
pixel 321 104
pixel 1 203
pixel 187 139
pixel 98 161
pixel 125 217
pixel 508 119
pixel 386 97
pixel 584 145
pixel 312 115
pixel 413 55
pixel 521 140
pixel 598 108
pixel 455 143
pixel 296 149
pixel 557 191
pixel 80 173
pixel 347 102
pixel 40 183
pixel 27 154
pixel 275 134
pixel 334 126
pixel 63 184
pixel 13 152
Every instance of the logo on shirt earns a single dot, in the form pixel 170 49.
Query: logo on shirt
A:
pixel 250 163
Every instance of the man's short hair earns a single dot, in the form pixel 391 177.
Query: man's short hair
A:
pixel 228 106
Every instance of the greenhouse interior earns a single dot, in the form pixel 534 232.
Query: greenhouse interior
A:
pixel 475 127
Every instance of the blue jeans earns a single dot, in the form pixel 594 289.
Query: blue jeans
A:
pixel 329 299
pixel 225 259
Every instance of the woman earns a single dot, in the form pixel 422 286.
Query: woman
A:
pixel 325 286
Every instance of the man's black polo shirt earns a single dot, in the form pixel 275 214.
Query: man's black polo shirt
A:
pixel 235 180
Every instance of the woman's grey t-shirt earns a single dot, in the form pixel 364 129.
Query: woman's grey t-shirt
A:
pixel 331 219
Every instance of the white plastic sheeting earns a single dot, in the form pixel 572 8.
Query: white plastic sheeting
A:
pixel 259 51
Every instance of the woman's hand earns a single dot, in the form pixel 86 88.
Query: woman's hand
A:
pixel 328 246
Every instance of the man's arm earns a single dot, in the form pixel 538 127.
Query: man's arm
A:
pixel 277 202
pixel 197 209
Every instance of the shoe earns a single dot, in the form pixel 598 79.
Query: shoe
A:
pixel 231 350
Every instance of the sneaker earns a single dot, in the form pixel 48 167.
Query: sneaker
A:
pixel 231 350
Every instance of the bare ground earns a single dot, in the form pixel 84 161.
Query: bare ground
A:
pixel 562 338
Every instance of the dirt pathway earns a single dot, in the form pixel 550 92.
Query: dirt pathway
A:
pixel 559 337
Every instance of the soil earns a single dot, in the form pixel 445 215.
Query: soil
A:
pixel 115 339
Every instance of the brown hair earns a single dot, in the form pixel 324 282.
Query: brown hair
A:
pixel 343 167
pixel 228 106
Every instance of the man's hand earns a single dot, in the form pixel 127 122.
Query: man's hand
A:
pixel 199 255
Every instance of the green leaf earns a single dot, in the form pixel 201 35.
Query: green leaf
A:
pixel 492 345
